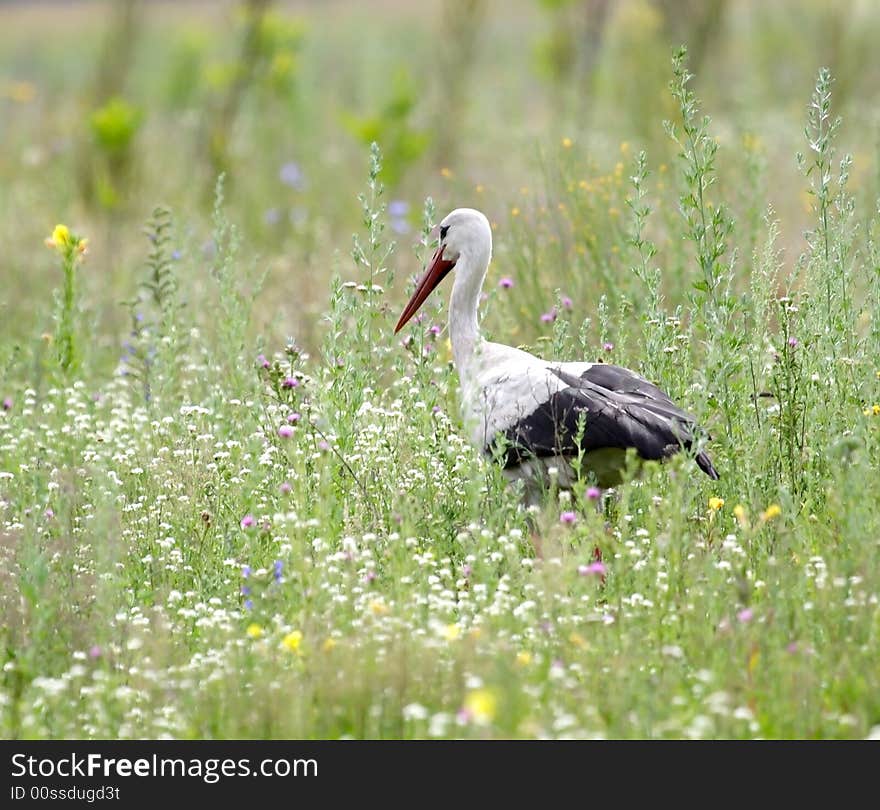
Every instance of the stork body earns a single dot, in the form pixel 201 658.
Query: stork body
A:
pixel 541 414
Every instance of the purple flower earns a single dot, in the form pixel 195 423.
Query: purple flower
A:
pixel 293 418
pixel 276 570
pixel 262 361
pixel 245 590
pixel 291 175
pixel 400 226
pixel 245 571
pixel 434 330
pixel 7 403
pixel 285 431
pixel 594 493
pixel 272 216
pixel 505 283
pixel 566 302
pixel 549 317
pixel 568 518
pixel 95 652
pixel 49 514
pixel 398 208
pixel 285 488
pixel 745 615
pixel 792 647
pixel 247 521
pixel 322 445
pixel 290 382
pixel 595 568
pixel 248 604
pixel 466 571
pixel 176 255
pixel 436 409
pixel 793 342
pixel 608 347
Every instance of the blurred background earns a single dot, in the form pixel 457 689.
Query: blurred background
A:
pixel 531 110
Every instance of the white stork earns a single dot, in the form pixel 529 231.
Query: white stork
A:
pixel 543 413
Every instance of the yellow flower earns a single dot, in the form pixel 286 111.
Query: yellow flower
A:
pixel 445 172
pixel 292 641
pixel 716 503
pixel 514 212
pixel 523 658
pixel 329 644
pixel 378 607
pixel 479 188
pixel 481 705
pixel 578 640
pixel 875 410
pixel 451 632
pixel 739 512
pixel 624 148
pixel 566 143
pixel 254 630
pixel 60 236
pixel 771 512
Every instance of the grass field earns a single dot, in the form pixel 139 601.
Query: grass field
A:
pixel 234 505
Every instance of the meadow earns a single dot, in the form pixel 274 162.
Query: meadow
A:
pixel 233 504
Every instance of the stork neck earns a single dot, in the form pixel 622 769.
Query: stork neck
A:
pixel 464 328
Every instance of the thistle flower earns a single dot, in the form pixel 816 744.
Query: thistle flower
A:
pixel 285 431
pixel 568 518
pixel 505 283
pixel 594 493
pixel 246 522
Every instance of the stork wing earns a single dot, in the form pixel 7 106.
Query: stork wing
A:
pixel 605 407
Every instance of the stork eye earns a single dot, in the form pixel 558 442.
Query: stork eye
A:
pixel 443 231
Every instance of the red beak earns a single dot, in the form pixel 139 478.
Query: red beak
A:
pixel 437 271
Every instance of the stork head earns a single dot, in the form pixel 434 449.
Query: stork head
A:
pixel 466 242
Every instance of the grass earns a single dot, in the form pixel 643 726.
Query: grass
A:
pixel 238 506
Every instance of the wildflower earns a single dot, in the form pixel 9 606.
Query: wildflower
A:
pixel 292 641
pixel 66 243
pixel 566 143
pixel 566 302
pixel 7 403
pixel 715 504
pixel 523 658
pixel 568 518
pixel 323 445
pixel 771 512
pixel 793 342
pixel 329 644
pixel 608 347
pixel 398 208
pixel 594 568
pixel 248 604
pixel 290 382
pixel 245 571
pixel 378 607
pixel 291 175
pixel 434 330
pixel 594 493
pixel 739 512
pixel 95 652
pixel 254 630
pixel 514 212
pixel 293 418
pixel 874 410
pixel 505 283
pixel 247 521
pixel 451 632
pixel 480 705
pixel 285 488
pixel 276 570
pixel 745 615
pixel 444 172
pixel 549 317
pixel 262 362
pixel 285 431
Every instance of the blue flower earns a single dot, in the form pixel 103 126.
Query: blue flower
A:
pixel 291 175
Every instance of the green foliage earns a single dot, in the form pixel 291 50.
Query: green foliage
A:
pixel 391 127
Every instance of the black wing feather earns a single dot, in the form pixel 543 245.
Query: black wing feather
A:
pixel 606 407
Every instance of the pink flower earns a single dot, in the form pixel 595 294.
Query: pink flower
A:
pixel 595 568
pixel 285 431
pixel 293 418
pixel 247 521
pixel 7 403
pixel 549 317
pixel 608 347
pixel 285 488
pixel 290 382
pixel 594 493
pixel 568 518
pixel 793 342
pixel 566 302
pixel 505 283
pixel 745 615
pixel 262 361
